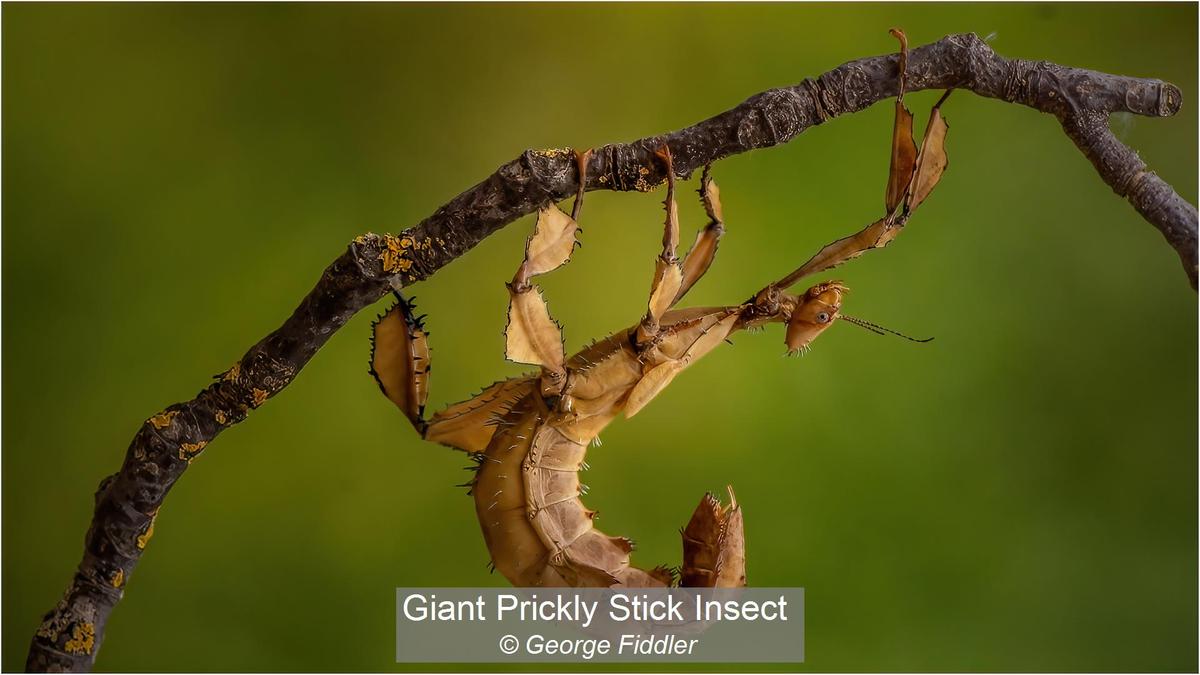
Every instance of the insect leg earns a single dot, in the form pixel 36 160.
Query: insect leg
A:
pixel 400 360
pixel 912 176
pixel 875 235
pixel 668 276
pixel 400 364
pixel 531 336
pixel 700 257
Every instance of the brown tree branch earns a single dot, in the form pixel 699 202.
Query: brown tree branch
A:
pixel 165 444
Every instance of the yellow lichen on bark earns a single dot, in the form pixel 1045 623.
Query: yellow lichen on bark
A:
pixel 233 373
pixel 83 638
pixel 118 578
pixel 163 419
pixel 188 451
pixel 260 396
pixel 394 255
pixel 144 537
pixel 641 184
pixel 554 152
pixel 219 416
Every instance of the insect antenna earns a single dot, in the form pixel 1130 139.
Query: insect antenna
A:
pixel 879 330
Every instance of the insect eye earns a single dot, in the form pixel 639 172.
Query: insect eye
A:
pixel 823 317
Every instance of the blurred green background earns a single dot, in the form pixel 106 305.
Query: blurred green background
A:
pixel 1018 495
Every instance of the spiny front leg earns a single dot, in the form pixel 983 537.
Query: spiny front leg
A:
pixel 531 336
pixel 913 175
pixel 668 277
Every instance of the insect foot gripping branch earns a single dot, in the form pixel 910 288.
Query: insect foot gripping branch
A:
pixel 529 435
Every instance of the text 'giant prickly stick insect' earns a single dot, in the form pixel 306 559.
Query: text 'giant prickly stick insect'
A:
pixel 529 434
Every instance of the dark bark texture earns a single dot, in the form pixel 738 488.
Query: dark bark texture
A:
pixel 164 445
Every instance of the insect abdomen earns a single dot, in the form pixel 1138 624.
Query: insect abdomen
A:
pixel 500 502
pixel 536 528
pixel 581 554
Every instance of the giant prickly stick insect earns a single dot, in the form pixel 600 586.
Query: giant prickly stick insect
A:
pixel 529 434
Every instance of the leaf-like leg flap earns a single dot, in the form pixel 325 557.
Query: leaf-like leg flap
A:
pixel 714 546
pixel 904 149
pixel 654 381
pixel 875 235
pixel 713 336
pixel 664 289
pixel 710 197
pixel 704 249
pixel 531 335
pixel 400 360
pixel 932 160
pixel 469 425
pixel 552 241
pixel 690 340
pixel 699 258
pixel 904 157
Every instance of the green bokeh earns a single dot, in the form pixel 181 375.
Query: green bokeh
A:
pixel 1018 495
